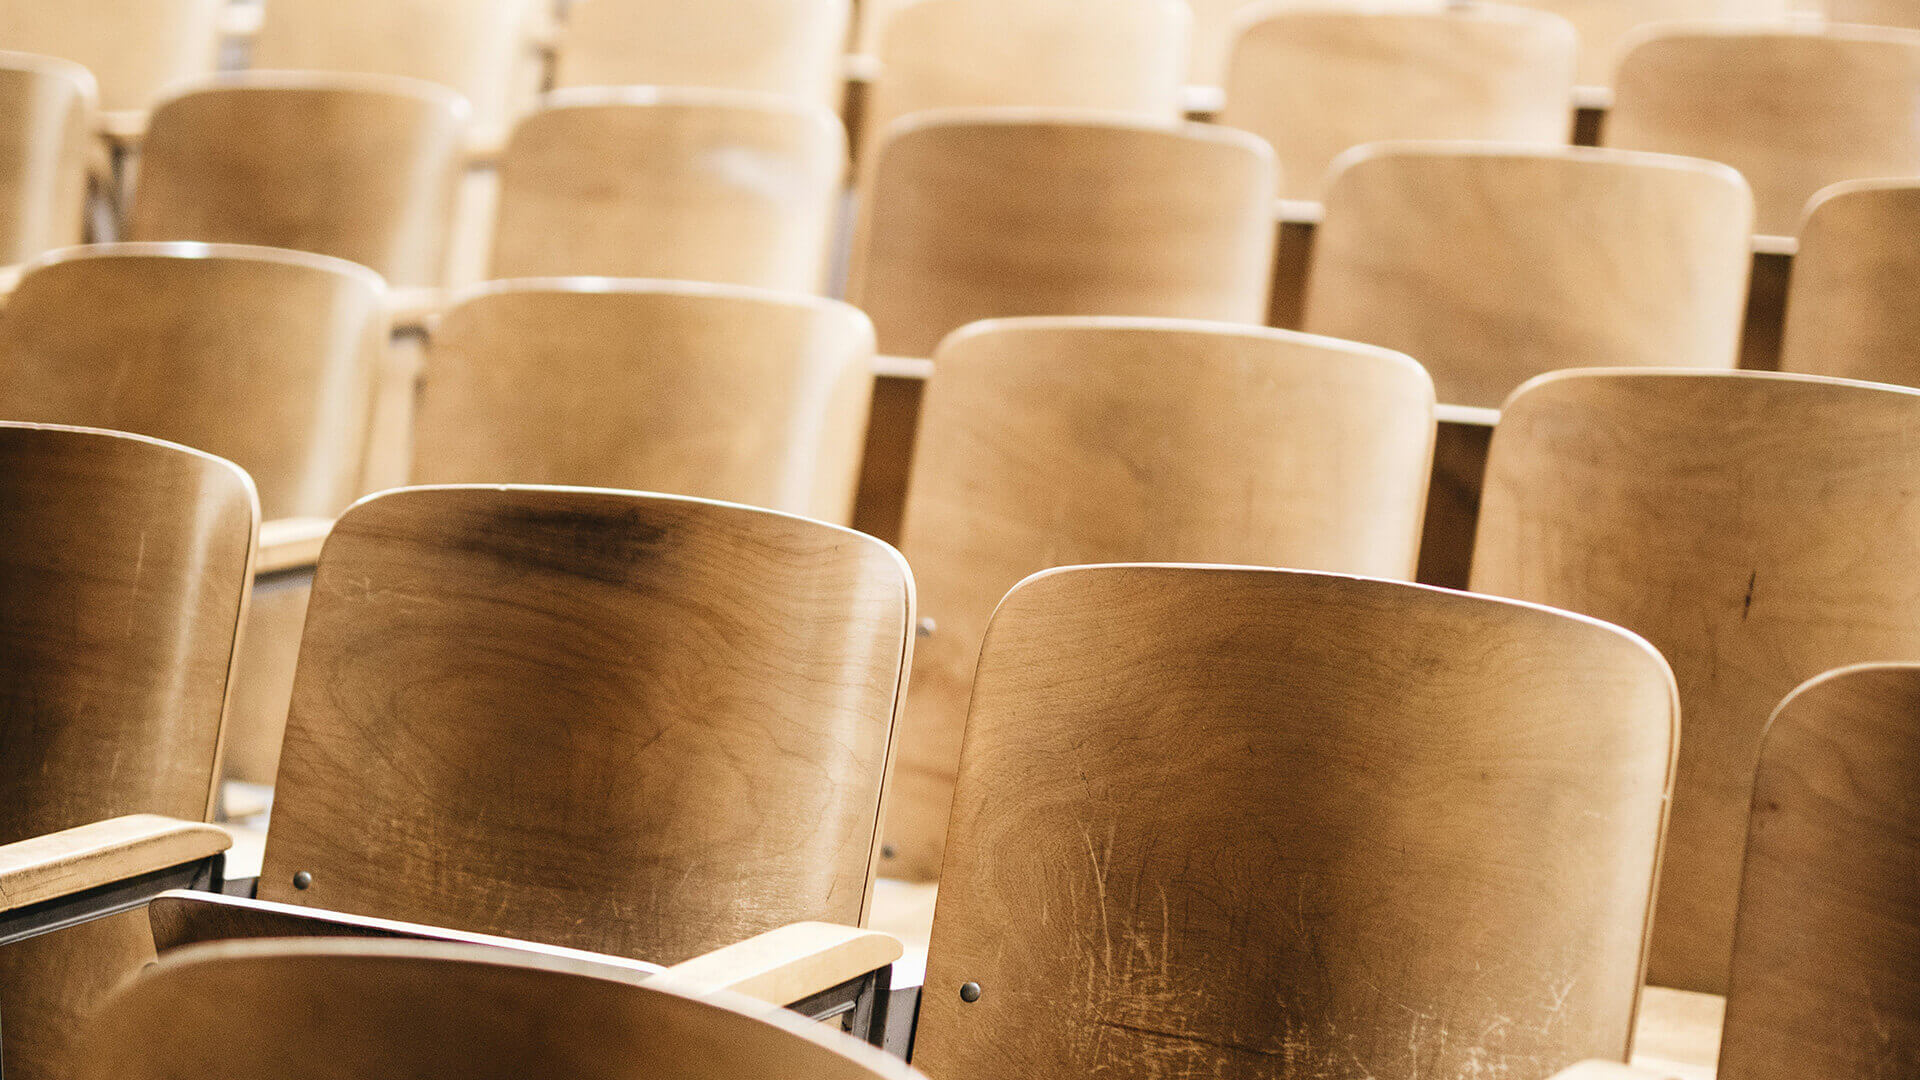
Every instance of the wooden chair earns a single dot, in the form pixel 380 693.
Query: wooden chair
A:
pixel 1217 22
pixel 708 390
pixel 357 1009
pixel 359 167
pixel 1827 943
pixel 1850 309
pixel 703 185
pixel 134 50
pixel 1794 110
pixel 1314 82
pixel 1494 264
pixel 122 584
pixel 1122 56
pixel 1004 212
pixel 1218 821
pixel 47 122
pixel 787 47
pixel 1054 441
pixel 1903 13
pixel 1608 27
pixel 480 48
pixel 1757 528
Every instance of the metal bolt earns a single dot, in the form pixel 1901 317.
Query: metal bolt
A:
pixel 925 628
pixel 970 992
pixel 303 880
pixel 887 851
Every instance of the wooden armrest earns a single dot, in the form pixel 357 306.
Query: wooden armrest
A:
pixel 414 307
pixel 290 543
pixel 1764 244
pixel 1467 415
pixel 1608 1070
pixel 903 367
pixel 241 21
pixel 1202 100
pixel 75 860
pixel 124 129
pixel 789 964
pixel 1299 211
pixel 10 279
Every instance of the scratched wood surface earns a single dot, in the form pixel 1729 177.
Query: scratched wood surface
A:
pixel 1239 822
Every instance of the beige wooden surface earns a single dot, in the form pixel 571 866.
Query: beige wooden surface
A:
pixel 1826 953
pixel 1608 27
pixel 1217 22
pixel 715 391
pixel 1211 821
pixel 48 111
pixel 1493 264
pixel 1851 308
pixel 1905 13
pixel 786 965
pixel 59 864
pixel 788 47
pixel 1757 528
pixel 361 167
pixel 1793 109
pixel 633 724
pixel 996 213
pixel 1315 82
pixel 135 50
pixel 707 185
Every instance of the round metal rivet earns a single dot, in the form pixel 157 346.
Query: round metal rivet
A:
pixel 887 851
pixel 303 880
pixel 926 628
pixel 970 992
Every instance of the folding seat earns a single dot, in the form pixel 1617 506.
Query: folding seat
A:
pixel 1055 441
pixel 1793 109
pixel 1757 528
pixel 359 167
pixel 709 390
pixel 136 51
pixel 1608 27
pixel 1850 300
pixel 47 154
pixel 787 47
pixel 1875 12
pixel 1219 821
pixel 122 582
pixel 704 185
pixel 1316 81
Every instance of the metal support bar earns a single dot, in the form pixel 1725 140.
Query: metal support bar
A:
pixel 903 1018
pixel 863 1001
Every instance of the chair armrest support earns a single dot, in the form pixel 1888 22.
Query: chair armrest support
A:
pixel 84 873
pixel 789 964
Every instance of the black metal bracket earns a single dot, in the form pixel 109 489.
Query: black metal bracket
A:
pixel 862 1001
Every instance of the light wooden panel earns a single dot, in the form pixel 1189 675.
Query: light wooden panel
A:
pixel 1217 22
pixel 1904 13
pixel 788 47
pixel 1316 82
pixel 360 167
pixel 1850 301
pixel 135 50
pixel 987 214
pixel 1608 27
pixel 1793 110
pixel 47 121
pixel 1242 822
pixel 705 185
pixel 1047 442
pixel 714 391
pixel 632 724
pixel 1759 529
pixel 1826 954
pixel 1493 264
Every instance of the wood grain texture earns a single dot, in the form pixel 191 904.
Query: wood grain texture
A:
pixel 1826 953
pixel 360 167
pixel 135 50
pixel 1903 13
pixel 51 985
pixel 1494 264
pixel 1048 442
pixel 1759 529
pixel 1793 109
pixel 787 47
pixel 638 725
pixel 1316 82
pixel 334 1010
pixel 48 111
pixel 263 357
pixel 1608 27
pixel 787 964
pixel 714 391
pixel 62 863
pixel 706 185
pixel 1850 301
pixel 996 213
pixel 1242 823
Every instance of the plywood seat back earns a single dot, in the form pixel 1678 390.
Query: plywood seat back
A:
pixel 48 113
pixel 1850 301
pixel 1608 27
pixel 788 47
pixel 136 51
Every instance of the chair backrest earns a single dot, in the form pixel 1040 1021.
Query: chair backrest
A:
pixel 479 48
pixel 1001 213
pixel 1757 528
pixel 1875 12
pixel 351 1009
pixel 1243 822
pixel 1493 264
pixel 1850 301
pixel 1217 22
pixel 707 390
pixel 634 724
pixel 1794 110
pixel 788 47
pixel 1607 26
pixel 1050 441
pixel 264 357
pixel 1123 56
pixel 47 120
pixel 1827 944
pixel 135 50
pixel 1317 82
pixel 360 167
pixel 122 580
pixel 705 185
